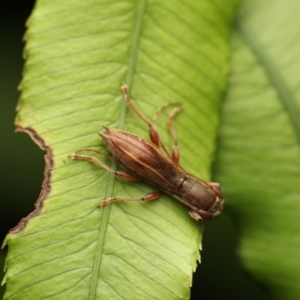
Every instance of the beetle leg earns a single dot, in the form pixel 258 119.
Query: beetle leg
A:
pixel 96 151
pixel 214 184
pixel 154 136
pixel 200 215
pixel 153 133
pixel 148 197
pixel 131 106
pixel 175 151
pixel 119 174
pixel 195 215
pixel 172 115
pixel 216 188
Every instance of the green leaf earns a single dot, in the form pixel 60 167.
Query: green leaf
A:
pixel 78 53
pixel 259 158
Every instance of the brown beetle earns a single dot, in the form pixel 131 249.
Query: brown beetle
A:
pixel 151 162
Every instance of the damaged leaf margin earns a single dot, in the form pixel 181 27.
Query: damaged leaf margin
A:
pixel 46 187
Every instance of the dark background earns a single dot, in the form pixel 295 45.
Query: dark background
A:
pixel 22 164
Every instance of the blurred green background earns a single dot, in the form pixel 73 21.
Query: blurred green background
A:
pixel 22 165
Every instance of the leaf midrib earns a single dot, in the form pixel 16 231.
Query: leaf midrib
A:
pixel 132 59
